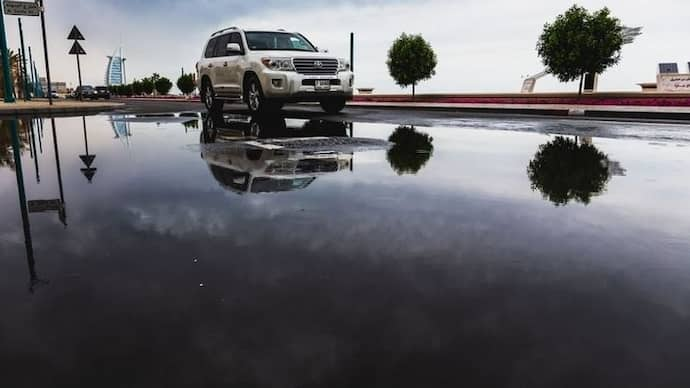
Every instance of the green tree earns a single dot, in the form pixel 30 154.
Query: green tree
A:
pixel 411 150
pixel 579 42
pixel 163 86
pixel 186 83
pixel 148 85
pixel 563 170
pixel 410 60
pixel 138 87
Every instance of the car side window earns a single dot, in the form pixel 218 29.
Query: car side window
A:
pixel 210 48
pixel 235 37
pixel 221 49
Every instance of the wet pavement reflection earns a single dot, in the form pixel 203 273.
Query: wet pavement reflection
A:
pixel 185 250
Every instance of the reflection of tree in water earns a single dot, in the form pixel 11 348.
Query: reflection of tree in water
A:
pixel 411 150
pixel 6 155
pixel 564 170
pixel 191 124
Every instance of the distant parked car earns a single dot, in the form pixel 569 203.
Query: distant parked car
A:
pixel 54 94
pixel 102 92
pixel 86 91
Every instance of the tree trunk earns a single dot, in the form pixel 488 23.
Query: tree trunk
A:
pixel 582 79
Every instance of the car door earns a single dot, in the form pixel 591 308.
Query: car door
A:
pixel 221 66
pixel 234 65
pixel 206 65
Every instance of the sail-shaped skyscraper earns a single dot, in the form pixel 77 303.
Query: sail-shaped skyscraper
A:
pixel 115 72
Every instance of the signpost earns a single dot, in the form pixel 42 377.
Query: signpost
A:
pixel 22 8
pixel 45 52
pixel 77 50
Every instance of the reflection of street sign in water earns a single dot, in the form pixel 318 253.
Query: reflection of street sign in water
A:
pixel 22 8
pixel 87 159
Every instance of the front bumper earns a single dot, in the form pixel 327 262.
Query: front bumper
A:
pixel 295 87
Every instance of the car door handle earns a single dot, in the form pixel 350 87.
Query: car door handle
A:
pixel 210 65
pixel 225 64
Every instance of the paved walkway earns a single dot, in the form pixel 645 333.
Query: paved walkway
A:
pixel 59 107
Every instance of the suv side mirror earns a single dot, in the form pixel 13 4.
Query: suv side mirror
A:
pixel 233 48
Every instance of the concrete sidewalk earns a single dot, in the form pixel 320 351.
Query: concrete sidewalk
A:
pixel 610 111
pixel 40 107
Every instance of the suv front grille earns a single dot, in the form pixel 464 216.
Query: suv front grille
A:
pixel 316 66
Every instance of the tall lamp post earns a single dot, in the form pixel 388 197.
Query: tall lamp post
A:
pixel 7 76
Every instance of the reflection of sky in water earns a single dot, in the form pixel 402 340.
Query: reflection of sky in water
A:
pixel 365 277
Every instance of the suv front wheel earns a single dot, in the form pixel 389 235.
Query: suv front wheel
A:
pixel 256 102
pixel 333 105
pixel 208 95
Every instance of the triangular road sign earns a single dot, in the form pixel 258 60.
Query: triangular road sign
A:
pixel 75 34
pixel 87 159
pixel 89 173
pixel 77 49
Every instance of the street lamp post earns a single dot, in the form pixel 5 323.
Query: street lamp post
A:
pixel 7 76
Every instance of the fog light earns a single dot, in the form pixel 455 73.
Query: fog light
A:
pixel 277 83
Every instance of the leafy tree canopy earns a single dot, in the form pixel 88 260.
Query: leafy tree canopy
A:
pixel 410 60
pixel 163 86
pixel 580 42
pixel 186 83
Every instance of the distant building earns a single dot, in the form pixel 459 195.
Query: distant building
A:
pixel 58 86
pixel 115 71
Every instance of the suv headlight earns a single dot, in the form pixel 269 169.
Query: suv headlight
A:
pixel 278 64
pixel 343 65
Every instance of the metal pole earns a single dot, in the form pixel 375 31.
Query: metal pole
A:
pixel 6 71
pixel 86 139
pixel 31 72
pixel 352 51
pixel 45 50
pixel 33 144
pixel 27 94
pixel 22 204
pixel 63 214
pixel 81 91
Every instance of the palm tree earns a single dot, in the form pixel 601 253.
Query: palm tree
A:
pixel 15 74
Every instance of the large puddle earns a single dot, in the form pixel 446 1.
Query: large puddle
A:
pixel 189 251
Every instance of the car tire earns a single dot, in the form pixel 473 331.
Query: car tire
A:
pixel 333 105
pixel 254 96
pixel 208 96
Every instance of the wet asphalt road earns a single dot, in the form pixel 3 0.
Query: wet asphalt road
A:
pixel 416 117
pixel 303 111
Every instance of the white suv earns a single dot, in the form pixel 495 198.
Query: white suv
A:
pixel 266 69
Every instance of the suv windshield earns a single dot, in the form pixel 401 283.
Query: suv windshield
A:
pixel 284 41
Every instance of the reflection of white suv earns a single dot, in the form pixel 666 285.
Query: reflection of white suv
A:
pixel 266 69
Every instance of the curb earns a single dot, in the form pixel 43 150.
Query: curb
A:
pixel 535 111
pixel 51 111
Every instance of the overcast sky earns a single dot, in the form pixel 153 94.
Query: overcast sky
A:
pixel 482 45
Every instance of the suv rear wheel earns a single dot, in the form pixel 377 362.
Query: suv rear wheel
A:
pixel 208 95
pixel 333 105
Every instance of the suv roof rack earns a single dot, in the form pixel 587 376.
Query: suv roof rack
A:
pixel 223 30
